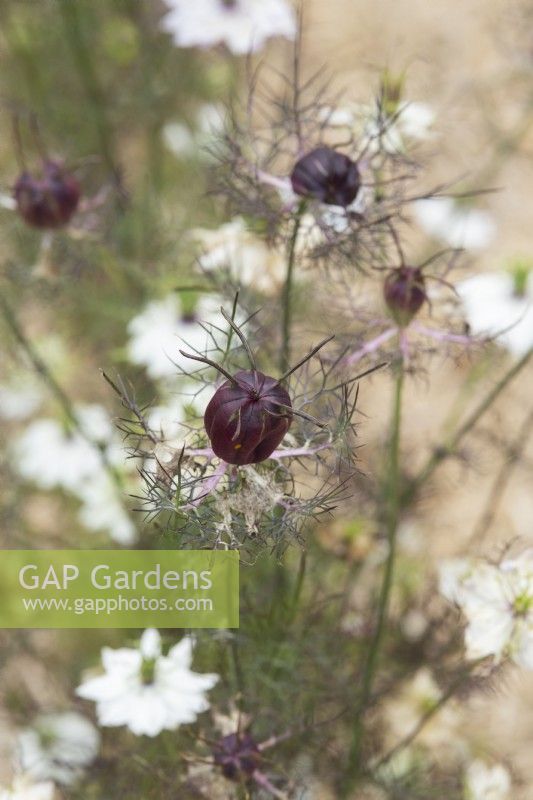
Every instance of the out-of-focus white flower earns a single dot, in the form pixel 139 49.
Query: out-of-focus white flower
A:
pixel 497 601
pixel 243 25
pixel 19 399
pixel 51 458
pixel 247 257
pixel 147 691
pixel 159 332
pixel 375 130
pixel 102 510
pixel 24 788
pixel 167 418
pixel 413 701
pixel 458 226
pixel 494 305
pixel 58 747
pixel 192 141
pixel 483 782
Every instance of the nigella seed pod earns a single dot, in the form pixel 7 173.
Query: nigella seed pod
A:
pixel 49 200
pixel 328 176
pixel 237 755
pixel 247 418
pixel 405 293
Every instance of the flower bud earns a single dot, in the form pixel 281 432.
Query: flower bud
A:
pixel 328 176
pixel 48 201
pixel 244 420
pixel 237 755
pixel 405 293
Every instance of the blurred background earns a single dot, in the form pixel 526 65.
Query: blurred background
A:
pixel 132 115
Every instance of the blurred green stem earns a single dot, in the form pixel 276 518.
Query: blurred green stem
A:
pixel 70 11
pixel 48 377
pixel 449 447
pixel 391 501
pixel 287 296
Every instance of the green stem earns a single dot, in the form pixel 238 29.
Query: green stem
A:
pixel 449 447
pixel 70 11
pixel 392 502
pixel 286 300
pixel 48 377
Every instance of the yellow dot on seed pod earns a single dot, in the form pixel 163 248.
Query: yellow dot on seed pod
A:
pixel 237 446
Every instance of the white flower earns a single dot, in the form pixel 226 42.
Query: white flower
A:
pixel 147 691
pixel 247 257
pixel 497 602
pixel 184 141
pixel 50 457
pixel 458 226
pixel 23 788
pixel 19 398
pixel 414 700
pixel 375 130
pixel 243 25
pixel 58 747
pixel 102 509
pixel 159 332
pixel 487 783
pixel 493 306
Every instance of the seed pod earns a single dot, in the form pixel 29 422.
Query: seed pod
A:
pixel 328 176
pixel 48 201
pixel 237 755
pixel 247 418
pixel 404 291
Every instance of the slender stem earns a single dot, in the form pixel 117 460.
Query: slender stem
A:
pixel 450 447
pixel 392 504
pixel 455 686
pixel 71 15
pixel 48 377
pixel 502 479
pixel 287 298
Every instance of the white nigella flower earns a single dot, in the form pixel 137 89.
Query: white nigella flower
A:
pixel 247 257
pixel 147 691
pixel 497 601
pixel 411 121
pixel 23 788
pixel 243 25
pixel 500 303
pixel 19 398
pixel 58 747
pixel 163 328
pixel 487 783
pixel 185 141
pixel 102 509
pixel 51 457
pixel 456 225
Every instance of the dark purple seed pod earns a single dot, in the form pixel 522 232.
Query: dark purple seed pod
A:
pixel 328 176
pixel 247 418
pixel 237 755
pixel 47 201
pixel 405 293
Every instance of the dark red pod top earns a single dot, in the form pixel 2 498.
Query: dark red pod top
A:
pixel 328 176
pixel 244 420
pixel 404 291
pixel 48 201
pixel 237 755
